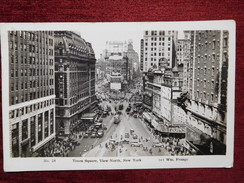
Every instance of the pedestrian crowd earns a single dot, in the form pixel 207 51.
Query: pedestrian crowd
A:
pixel 174 146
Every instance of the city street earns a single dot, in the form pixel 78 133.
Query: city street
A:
pixel 103 147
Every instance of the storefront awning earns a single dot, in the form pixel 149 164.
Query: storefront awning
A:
pixel 90 116
pixel 146 116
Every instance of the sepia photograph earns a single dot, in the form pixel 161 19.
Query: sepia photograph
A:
pixel 118 92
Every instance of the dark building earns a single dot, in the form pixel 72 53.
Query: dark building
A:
pixel 74 80
pixel 142 54
pixel 207 91
pixel 31 91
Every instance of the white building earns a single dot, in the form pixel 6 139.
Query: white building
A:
pixel 157 45
pixel 114 47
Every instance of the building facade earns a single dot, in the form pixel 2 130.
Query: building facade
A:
pixel 141 54
pixel 74 80
pixel 133 61
pixel 158 45
pixel 118 64
pixel 114 47
pixel 165 86
pixel 206 104
pixel 31 92
pixel 115 81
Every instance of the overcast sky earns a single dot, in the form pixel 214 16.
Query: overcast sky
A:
pixel 98 38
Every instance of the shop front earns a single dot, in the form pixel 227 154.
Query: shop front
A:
pixel 87 120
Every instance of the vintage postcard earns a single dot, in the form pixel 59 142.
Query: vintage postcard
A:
pixel 90 96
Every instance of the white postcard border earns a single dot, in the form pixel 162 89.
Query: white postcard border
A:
pixel 75 163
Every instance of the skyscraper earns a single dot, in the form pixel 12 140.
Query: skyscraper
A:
pixel 207 89
pixel 158 45
pixel 31 91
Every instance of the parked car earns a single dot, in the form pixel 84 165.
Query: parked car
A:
pixel 157 144
pixel 131 131
pixel 136 144
pixel 93 135
pixel 86 135
pixel 100 133
pixel 134 136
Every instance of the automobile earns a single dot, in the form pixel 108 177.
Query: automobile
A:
pixel 100 120
pixel 86 135
pixel 157 144
pixel 134 136
pixel 116 119
pixel 100 133
pixel 91 127
pixel 135 116
pixel 113 141
pixel 136 144
pixel 89 131
pixel 121 107
pixel 104 127
pixel 93 135
pixel 98 125
pixel 128 109
pixel 131 131
pixel 104 114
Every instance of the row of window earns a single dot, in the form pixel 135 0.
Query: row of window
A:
pixel 31 84
pixel 32 60
pixel 34 36
pixel 32 48
pixel 23 97
pixel 31 72
pixel 155 33
pixel 205 96
pixel 206 34
pixel 31 108
pixel 206 84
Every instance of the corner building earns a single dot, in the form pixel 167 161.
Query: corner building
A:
pixel 74 80
pixel 31 92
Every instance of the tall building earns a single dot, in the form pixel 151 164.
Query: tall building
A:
pixel 206 107
pixel 183 58
pixel 100 69
pixel 74 80
pixel 141 54
pixel 114 47
pixel 158 45
pixel 31 91
pixel 133 60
